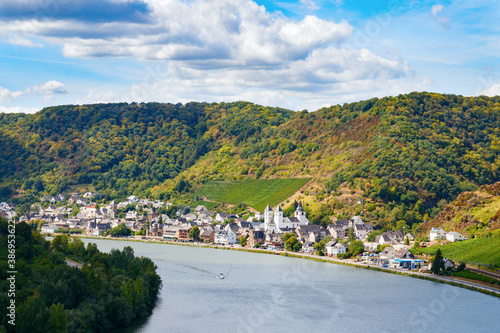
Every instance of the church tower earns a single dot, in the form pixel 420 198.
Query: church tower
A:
pixel 300 214
pixel 268 217
pixel 278 217
pixel 114 209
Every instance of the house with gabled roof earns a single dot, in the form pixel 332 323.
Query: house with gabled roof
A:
pixel 333 249
pixel 388 253
pixel 436 234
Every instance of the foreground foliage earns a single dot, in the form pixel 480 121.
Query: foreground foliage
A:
pixel 109 291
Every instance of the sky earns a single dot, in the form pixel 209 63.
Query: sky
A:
pixel 304 54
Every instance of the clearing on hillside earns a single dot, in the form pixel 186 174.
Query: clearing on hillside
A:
pixel 256 193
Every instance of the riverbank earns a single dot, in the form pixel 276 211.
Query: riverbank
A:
pixel 489 290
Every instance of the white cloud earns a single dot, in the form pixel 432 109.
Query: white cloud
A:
pixel 223 50
pixel 17 109
pixel 309 5
pixel 232 32
pixel 21 41
pixel 436 9
pixel 47 90
pixel 494 90
pixel 6 95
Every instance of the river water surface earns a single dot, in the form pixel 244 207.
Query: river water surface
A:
pixel 268 293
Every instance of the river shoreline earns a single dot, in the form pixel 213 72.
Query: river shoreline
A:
pixel 489 290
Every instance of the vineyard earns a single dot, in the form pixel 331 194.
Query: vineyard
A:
pixel 256 193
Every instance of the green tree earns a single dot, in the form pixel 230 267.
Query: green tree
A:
pixel 243 240
pixel 58 318
pixel 437 263
pixel 461 267
pixel 291 242
pixel 381 247
pixel 120 230
pixel 351 235
pixel 194 233
pixel 320 246
pixel 356 247
pixel 33 316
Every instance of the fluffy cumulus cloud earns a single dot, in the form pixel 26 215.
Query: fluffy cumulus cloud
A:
pixel 494 90
pixel 212 50
pixel 47 90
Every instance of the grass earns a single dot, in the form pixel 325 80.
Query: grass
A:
pixel 257 193
pixel 208 204
pixel 467 274
pixel 484 251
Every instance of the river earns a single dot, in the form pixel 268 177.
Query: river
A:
pixel 268 293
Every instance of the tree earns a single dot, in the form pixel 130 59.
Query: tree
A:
pixel 320 246
pixel 371 236
pixel 351 235
pixel 437 263
pixel 119 230
pixel 461 267
pixel 33 316
pixel 356 247
pixel 243 240
pixel 58 318
pixel 194 233
pixel 381 247
pixel 291 242
pixel 407 241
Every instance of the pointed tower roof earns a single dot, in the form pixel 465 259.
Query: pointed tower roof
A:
pixel 299 206
pixel 278 209
pixel 268 209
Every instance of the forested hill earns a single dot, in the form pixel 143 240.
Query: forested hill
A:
pixel 120 148
pixel 406 154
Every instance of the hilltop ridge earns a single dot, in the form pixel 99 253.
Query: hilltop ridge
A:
pixel 406 156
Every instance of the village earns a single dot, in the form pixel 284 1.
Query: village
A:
pixel 268 230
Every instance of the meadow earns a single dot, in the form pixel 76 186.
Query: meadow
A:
pixel 484 251
pixel 256 193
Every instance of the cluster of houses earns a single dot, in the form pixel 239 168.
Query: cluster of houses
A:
pixel 7 210
pixel 452 236
pixel 92 219
pixel 261 230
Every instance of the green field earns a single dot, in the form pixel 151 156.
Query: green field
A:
pixel 484 251
pixel 208 204
pixel 256 193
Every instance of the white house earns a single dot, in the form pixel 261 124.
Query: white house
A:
pixel 133 199
pixel 48 228
pixel 333 249
pixel 453 236
pixel 388 253
pixel 447 263
pixel 225 237
pixel 437 233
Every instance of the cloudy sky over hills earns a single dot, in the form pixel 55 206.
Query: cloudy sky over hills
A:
pixel 292 54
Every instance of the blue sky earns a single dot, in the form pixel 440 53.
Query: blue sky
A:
pixel 303 54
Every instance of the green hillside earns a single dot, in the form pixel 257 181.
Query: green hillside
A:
pixel 484 251
pixel 407 156
pixel 257 193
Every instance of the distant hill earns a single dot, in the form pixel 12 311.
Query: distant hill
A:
pixel 406 156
